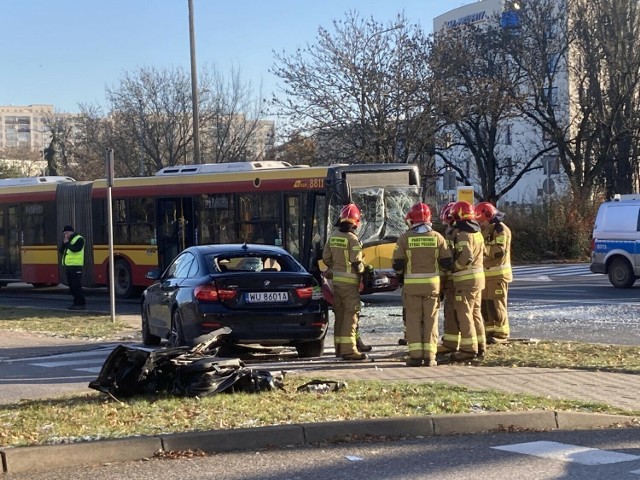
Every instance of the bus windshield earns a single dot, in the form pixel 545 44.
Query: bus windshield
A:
pixel 383 211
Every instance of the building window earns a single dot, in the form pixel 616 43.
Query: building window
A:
pixel 507 135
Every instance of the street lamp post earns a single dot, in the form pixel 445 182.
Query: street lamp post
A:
pixel 194 88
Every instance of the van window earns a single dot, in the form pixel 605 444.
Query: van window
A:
pixel 620 218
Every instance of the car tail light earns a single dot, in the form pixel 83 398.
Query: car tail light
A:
pixel 206 293
pixel 209 293
pixel 226 294
pixel 305 293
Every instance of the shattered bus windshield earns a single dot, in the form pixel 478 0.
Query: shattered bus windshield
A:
pixel 383 211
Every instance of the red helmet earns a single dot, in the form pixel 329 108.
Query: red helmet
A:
pixel 485 211
pixel 350 213
pixel 419 213
pixel 445 213
pixel 463 211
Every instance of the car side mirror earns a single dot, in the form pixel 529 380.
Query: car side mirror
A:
pixel 154 274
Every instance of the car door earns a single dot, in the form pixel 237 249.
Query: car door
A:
pixel 169 286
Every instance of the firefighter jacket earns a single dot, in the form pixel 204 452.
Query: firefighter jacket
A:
pixel 497 260
pixel 419 255
pixel 449 237
pixel 468 257
pixel 342 254
pixel 73 251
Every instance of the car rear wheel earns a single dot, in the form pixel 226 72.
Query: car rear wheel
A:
pixel 310 349
pixel 176 335
pixel 621 274
pixel 148 338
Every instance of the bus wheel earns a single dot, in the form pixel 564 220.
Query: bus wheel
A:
pixel 123 285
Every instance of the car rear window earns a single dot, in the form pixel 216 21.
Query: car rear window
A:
pixel 252 263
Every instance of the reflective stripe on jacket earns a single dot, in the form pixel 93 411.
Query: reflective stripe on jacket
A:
pixel 342 254
pixel 497 260
pixel 468 271
pixel 418 253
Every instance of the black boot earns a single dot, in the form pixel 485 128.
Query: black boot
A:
pixel 362 347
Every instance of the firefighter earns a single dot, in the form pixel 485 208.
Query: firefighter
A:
pixel 468 281
pixel 342 254
pixel 451 332
pixel 497 272
pixel 419 254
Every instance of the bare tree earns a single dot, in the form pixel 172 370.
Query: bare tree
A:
pixel 476 91
pixel 149 122
pixel 231 117
pixel 582 69
pixel 359 90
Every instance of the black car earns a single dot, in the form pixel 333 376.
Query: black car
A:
pixel 259 291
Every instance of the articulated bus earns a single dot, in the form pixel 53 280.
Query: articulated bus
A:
pixel 156 217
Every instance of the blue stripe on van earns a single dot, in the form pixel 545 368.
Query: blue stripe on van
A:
pixel 603 246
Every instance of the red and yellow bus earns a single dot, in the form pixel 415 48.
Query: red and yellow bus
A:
pixel 156 217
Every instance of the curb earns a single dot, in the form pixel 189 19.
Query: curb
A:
pixel 46 457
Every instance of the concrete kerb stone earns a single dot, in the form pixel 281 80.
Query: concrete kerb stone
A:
pixel 236 439
pixel 43 457
pixel 410 426
pixel 483 422
pixel 39 458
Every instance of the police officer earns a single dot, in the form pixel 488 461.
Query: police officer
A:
pixel 468 281
pixel 419 254
pixel 342 254
pixel 497 272
pixel 72 250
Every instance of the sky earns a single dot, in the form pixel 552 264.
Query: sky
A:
pixel 67 52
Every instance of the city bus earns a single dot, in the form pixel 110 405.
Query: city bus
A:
pixel 156 217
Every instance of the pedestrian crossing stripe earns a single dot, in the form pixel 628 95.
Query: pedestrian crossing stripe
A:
pixel 568 453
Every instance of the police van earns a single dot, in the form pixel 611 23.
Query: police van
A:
pixel 615 244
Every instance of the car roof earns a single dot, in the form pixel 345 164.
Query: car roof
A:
pixel 238 249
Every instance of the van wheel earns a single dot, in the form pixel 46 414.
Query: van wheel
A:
pixel 621 274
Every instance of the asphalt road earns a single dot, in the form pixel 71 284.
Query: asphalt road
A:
pixel 570 455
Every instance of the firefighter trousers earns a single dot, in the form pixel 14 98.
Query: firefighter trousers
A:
pixel 422 325
pixel 346 309
pixel 469 319
pixel 494 309
pixel 451 329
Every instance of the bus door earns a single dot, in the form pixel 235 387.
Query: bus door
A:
pixel 9 242
pixel 294 217
pixel 176 228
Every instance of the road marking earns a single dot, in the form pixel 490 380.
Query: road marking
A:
pixel 568 453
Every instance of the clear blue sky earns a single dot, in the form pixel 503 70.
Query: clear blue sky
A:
pixel 65 52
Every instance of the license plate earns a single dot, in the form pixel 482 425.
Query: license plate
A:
pixel 267 297
pixel 381 281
